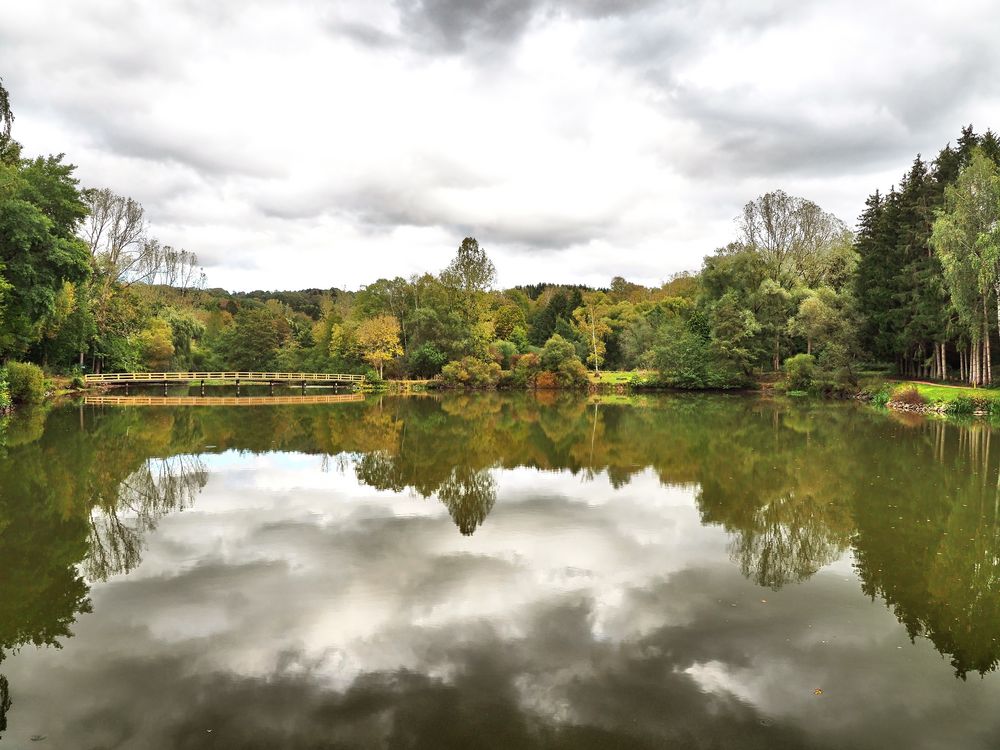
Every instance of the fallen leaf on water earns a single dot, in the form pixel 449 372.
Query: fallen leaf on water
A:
pixel 817 691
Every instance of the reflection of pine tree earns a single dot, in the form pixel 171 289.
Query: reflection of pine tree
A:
pixel 117 532
pixel 469 497
pixel 933 555
pixel 5 703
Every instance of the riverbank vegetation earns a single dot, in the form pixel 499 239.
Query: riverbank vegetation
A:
pixel 909 395
pixel 84 286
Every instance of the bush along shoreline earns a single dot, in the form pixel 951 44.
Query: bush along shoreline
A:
pixel 21 383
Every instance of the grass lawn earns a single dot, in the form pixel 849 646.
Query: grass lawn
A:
pixel 947 393
pixel 615 377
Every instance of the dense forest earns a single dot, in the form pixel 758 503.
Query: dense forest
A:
pixel 84 286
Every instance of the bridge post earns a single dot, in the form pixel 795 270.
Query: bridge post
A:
pixel 202 387
pixel 126 387
pixel 303 388
pixel 272 387
pixel 237 386
pixel 164 387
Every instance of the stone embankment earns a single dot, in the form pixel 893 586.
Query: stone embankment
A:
pixel 936 408
pixel 980 408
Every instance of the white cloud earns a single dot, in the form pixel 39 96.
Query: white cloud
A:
pixel 294 146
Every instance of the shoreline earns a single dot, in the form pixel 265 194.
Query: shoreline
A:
pixel 977 406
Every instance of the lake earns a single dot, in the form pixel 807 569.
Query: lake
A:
pixel 498 571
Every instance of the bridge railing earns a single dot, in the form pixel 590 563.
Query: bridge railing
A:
pixel 220 400
pixel 164 377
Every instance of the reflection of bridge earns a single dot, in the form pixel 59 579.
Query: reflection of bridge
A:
pixel 219 400
pixel 110 378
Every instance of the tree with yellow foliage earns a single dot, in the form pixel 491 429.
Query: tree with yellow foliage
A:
pixel 378 339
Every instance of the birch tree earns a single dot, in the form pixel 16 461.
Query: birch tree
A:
pixel 965 237
pixel 592 319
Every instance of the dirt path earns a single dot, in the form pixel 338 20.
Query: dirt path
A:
pixel 932 384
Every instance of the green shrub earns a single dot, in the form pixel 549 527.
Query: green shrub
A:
pixel 572 374
pixel 503 353
pixel 26 382
pixel 470 372
pixel 76 380
pixel 426 361
pixel 525 370
pixel 559 364
pixel 878 393
pixel 556 351
pixel 800 371
pixel 5 401
pixel 372 377
pixel 962 406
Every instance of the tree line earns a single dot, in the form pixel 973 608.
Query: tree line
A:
pixel 84 286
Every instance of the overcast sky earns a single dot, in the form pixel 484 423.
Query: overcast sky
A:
pixel 312 144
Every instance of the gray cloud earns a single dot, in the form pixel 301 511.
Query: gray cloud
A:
pixel 454 24
pixel 553 685
pixel 536 125
pixel 457 26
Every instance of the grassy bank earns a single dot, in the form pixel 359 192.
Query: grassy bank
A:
pixel 927 397
pixel 618 377
pixel 946 394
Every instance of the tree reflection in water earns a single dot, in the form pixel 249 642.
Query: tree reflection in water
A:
pixel 795 487
pixel 5 704
pixel 469 497
pixel 155 489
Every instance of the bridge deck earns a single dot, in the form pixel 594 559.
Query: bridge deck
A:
pixel 246 377
pixel 220 400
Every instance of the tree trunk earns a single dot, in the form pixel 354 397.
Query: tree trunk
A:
pixel 809 345
pixel 987 365
pixel 984 363
pixel 996 291
pixel 593 339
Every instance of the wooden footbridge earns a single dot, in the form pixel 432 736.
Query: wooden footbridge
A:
pixel 221 400
pixel 269 378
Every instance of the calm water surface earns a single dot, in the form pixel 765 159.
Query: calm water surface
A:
pixel 495 571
